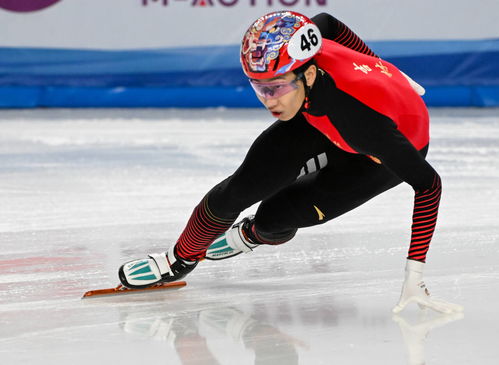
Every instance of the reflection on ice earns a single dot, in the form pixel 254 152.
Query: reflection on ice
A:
pixel 415 335
pixel 189 335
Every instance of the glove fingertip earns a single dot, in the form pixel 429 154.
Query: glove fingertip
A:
pixel 397 309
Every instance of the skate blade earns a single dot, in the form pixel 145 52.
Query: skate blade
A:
pixel 120 289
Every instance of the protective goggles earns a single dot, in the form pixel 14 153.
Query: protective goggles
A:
pixel 274 89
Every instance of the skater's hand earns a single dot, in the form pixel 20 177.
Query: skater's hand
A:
pixel 415 291
pixel 415 86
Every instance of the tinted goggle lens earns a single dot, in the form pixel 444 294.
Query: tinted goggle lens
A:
pixel 273 90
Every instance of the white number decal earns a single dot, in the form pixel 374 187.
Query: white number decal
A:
pixel 305 42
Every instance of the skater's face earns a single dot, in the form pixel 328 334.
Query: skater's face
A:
pixel 283 96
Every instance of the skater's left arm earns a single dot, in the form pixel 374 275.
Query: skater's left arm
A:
pixel 381 138
pixel 337 31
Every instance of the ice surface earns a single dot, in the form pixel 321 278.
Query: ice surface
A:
pixel 81 191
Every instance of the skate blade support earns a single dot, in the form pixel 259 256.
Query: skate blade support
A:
pixel 120 289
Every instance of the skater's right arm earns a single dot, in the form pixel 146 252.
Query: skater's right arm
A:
pixel 335 30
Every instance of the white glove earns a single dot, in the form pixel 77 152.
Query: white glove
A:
pixel 414 290
pixel 415 86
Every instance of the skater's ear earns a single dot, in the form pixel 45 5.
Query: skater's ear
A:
pixel 310 75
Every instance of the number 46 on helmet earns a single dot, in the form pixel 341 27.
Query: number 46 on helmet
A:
pixel 278 43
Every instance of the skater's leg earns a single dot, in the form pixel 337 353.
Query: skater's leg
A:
pixel 348 182
pixel 273 162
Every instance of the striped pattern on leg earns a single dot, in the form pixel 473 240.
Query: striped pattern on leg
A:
pixel 349 39
pixel 201 230
pixel 424 219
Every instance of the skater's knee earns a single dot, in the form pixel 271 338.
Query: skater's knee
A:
pixel 272 234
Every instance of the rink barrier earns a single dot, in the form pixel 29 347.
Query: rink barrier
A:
pixel 454 73
pixel 132 97
pixel 203 97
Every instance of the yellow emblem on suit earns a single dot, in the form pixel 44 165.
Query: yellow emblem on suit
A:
pixel 321 215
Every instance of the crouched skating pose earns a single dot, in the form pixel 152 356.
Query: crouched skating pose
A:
pixel 350 127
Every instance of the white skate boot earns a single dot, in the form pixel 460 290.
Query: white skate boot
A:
pixel 156 269
pixel 233 242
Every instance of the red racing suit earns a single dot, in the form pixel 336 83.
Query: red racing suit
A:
pixel 366 105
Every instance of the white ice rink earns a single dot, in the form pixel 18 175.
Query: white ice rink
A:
pixel 82 191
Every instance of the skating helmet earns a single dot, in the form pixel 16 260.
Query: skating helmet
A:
pixel 277 43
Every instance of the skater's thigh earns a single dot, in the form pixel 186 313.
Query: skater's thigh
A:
pixel 277 155
pixel 274 161
pixel 344 185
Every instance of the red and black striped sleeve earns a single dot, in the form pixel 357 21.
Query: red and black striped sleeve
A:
pixel 374 134
pixel 335 30
pixel 424 219
pixel 398 155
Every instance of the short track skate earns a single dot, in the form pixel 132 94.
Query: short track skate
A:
pixel 120 289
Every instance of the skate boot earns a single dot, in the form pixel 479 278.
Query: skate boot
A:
pixel 156 269
pixel 236 240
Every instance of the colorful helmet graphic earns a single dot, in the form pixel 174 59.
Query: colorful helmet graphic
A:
pixel 277 43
